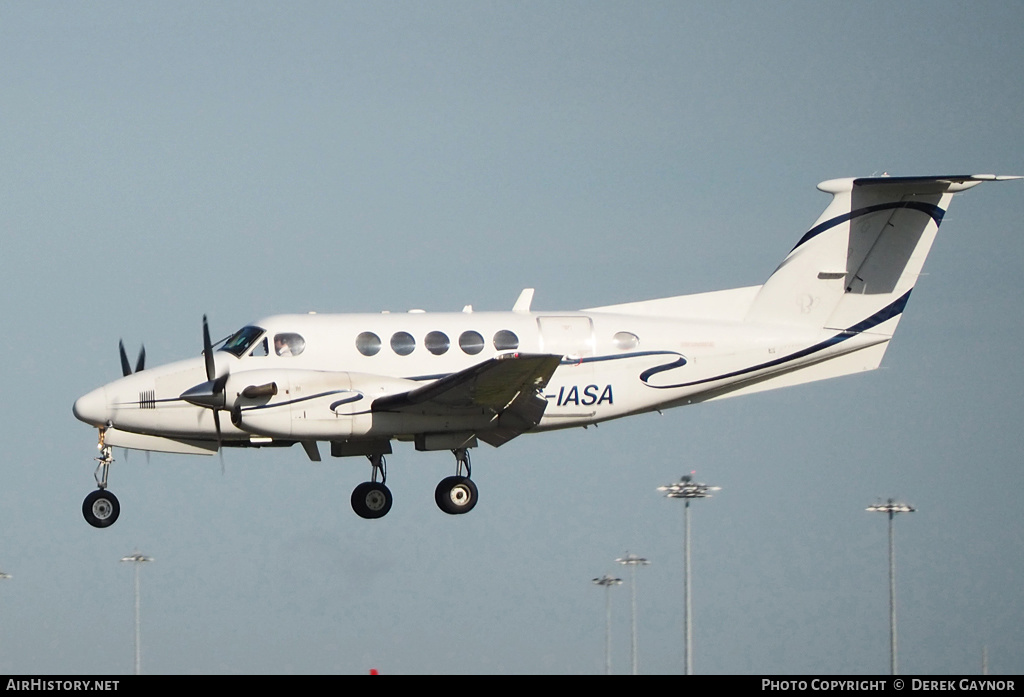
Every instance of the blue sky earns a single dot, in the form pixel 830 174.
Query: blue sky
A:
pixel 159 162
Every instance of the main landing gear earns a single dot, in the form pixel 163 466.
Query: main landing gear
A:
pixel 454 495
pixel 101 507
pixel 372 499
pixel 457 495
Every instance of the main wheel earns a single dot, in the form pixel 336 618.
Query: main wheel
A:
pixel 101 508
pixel 371 500
pixel 456 495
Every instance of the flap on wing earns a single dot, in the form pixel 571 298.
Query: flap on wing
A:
pixel 492 385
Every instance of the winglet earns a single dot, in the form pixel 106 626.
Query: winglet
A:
pixel 524 301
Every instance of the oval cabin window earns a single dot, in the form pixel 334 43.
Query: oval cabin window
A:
pixel 368 344
pixel 437 343
pixel 402 343
pixel 506 341
pixel 624 341
pixel 471 342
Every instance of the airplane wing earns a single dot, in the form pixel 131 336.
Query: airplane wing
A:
pixel 505 386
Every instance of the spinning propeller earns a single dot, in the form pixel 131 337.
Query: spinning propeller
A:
pixel 209 394
pixel 140 363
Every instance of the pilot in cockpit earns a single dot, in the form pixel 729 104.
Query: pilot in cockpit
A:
pixel 281 347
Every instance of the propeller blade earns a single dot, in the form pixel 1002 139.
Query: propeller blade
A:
pixel 209 394
pixel 216 424
pixel 126 368
pixel 211 368
pixel 140 364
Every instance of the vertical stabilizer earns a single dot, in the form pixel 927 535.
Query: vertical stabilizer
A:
pixel 854 269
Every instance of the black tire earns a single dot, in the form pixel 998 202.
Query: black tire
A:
pixel 371 500
pixel 101 509
pixel 456 495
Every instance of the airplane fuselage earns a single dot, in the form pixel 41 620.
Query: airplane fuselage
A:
pixel 611 365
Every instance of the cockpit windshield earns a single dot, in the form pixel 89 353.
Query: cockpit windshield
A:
pixel 239 342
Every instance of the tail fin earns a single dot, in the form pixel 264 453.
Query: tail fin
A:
pixel 855 268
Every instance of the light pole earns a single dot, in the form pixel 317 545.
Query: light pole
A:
pixel 608 581
pixel 688 489
pixel 892 508
pixel 633 561
pixel 137 559
pixel 3 576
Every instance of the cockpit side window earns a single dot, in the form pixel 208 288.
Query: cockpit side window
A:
pixel 289 344
pixel 239 342
pixel 261 349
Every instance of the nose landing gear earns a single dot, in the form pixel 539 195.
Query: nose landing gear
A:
pixel 101 508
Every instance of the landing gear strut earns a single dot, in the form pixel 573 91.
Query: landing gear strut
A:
pixel 458 494
pixel 372 499
pixel 101 507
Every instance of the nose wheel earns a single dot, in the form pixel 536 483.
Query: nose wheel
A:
pixel 101 508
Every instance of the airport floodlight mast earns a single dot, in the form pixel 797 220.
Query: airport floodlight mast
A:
pixel 633 561
pixel 608 581
pixel 4 576
pixel 687 489
pixel 137 560
pixel 892 508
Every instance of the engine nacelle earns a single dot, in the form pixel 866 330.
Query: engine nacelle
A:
pixel 306 404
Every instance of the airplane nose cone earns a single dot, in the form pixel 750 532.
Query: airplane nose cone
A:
pixel 93 408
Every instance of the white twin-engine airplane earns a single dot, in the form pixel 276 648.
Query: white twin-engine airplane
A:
pixel 448 380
